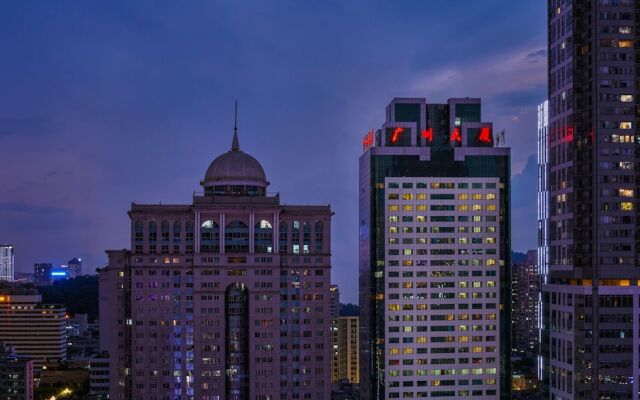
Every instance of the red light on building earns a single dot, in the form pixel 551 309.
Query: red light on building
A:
pixel 367 141
pixel 428 134
pixel 455 135
pixel 396 134
pixel 485 135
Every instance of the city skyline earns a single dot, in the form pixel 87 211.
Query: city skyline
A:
pixel 153 91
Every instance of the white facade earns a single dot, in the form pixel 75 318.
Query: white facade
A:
pixel 442 287
pixel 7 262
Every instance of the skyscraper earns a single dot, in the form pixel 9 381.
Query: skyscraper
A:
pixel 591 294
pixel 6 262
pixel 74 267
pixel 42 274
pixel 525 293
pixel 224 298
pixel 434 246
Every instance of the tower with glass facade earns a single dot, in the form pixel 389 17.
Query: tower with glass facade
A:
pixel 434 250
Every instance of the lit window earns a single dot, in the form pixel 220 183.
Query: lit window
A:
pixel 626 206
pixel 463 207
pixel 407 208
pixel 626 98
pixel 625 43
pixel 393 229
pixel 491 207
pixel 625 192
pixel 393 218
pixel 625 125
pixel 491 196
pixel 393 208
pixel 421 207
pixel 625 30
pixel 421 196
pixel 463 196
pixel 476 196
pixel 407 196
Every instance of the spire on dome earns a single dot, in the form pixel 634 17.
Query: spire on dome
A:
pixel 235 144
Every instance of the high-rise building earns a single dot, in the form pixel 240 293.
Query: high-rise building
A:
pixel 224 298
pixel 74 268
pixel 434 251
pixel 32 328
pixel 347 348
pixel 591 294
pixel 16 375
pixel 42 274
pixel 7 261
pixel 525 296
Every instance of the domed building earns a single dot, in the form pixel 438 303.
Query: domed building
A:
pixel 224 298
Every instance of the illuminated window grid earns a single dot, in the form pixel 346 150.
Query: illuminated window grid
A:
pixel 407 323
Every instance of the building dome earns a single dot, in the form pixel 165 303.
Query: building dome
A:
pixel 235 173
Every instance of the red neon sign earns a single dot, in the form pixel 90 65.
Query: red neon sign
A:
pixel 428 134
pixel 367 141
pixel 455 135
pixel 485 135
pixel 396 134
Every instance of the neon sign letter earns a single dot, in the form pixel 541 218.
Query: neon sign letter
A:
pixel 396 134
pixel 428 134
pixel 455 135
pixel 485 135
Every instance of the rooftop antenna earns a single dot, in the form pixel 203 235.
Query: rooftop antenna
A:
pixel 235 144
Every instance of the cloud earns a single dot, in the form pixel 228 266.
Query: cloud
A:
pixel 536 56
pixel 506 73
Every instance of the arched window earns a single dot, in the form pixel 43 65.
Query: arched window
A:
pixel 189 236
pixel 177 227
pixel 138 236
pixel 263 237
pixel 164 237
pixel 153 236
pixel 283 237
pixel 209 237
pixel 236 237
pixel 319 227
pixel 236 309
pixel 306 232
pixel 295 237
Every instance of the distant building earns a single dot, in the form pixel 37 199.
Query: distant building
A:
pixel 23 277
pixel 16 375
pixel 78 326
pixel 346 341
pixel 7 261
pixel 334 297
pixel 334 300
pixel 99 377
pixel 34 329
pixel 74 268
pixel 42 274
pixel 525 293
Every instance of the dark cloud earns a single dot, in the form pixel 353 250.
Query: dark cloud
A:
pixel 536 56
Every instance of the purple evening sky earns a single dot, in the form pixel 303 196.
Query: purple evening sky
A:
pixel 105 103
